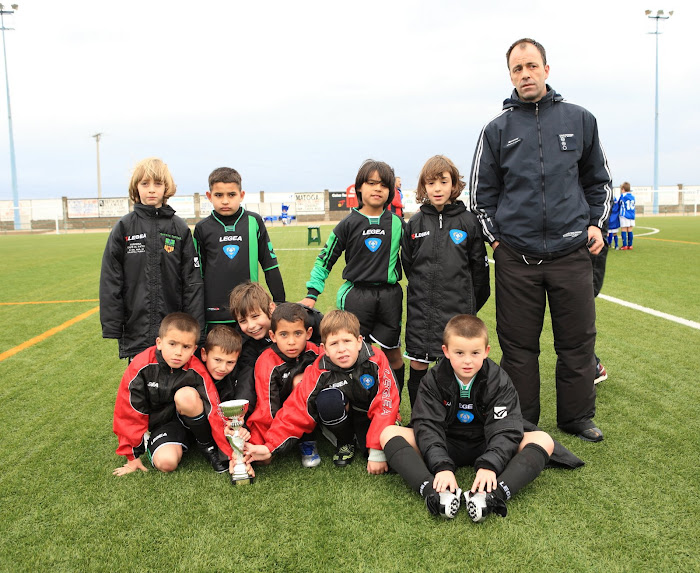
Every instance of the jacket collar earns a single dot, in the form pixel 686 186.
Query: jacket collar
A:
pixel 549 98
pixel 150 211
pixel 448 210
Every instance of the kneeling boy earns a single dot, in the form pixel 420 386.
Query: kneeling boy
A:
pixel 466 413
pixel 164 394
pixel 350 390
pixel 280 369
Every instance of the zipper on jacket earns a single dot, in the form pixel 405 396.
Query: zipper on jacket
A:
pixel 544 202
pixel 440 219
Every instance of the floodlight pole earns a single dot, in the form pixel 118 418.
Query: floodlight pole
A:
pixel 658 16
pixel 97 137
pixel 13 168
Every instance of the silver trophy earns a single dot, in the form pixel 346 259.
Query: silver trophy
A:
pixel 233 411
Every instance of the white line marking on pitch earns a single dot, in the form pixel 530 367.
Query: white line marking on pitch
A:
pixel 640 308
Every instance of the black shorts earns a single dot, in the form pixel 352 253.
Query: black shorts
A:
pixel 463 452
pixel 172 432
pixel 378 308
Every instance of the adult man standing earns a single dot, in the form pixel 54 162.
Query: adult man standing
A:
pixel 541 187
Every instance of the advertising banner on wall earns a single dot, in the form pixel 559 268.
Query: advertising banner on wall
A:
pixel 309 203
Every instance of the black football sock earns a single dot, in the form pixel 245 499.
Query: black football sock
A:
pixel 525 466
pixel 414 378
pixel 409 464
pixel 344 431
pixel 399 373
pixel 199 426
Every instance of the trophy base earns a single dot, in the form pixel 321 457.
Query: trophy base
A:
pixel 241 480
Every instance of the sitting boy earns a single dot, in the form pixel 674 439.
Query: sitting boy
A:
pixel 350 390
pixel 252 307
pixel 280 369
pixel 466 412
pixel 220 354
pixel 164 394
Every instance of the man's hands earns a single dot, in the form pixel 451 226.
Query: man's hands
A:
pixel 595 234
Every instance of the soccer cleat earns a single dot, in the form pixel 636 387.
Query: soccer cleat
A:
pixel 309 454
pixel 211 453
pixel 481 504
pixel 600 373
pixel 445 503
pixel 343 455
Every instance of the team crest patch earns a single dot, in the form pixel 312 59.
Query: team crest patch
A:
pixel 373 244
pixel 465 416
pixel 169 245
pixel 231 250
pixel 457 236
pixel 499 412
pixel 367 381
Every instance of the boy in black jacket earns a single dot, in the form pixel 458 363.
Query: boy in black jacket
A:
pixel 230 243
pixel 466 412
pixel 149 267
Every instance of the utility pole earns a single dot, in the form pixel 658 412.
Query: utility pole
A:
pixel 97 137
pixel 13 168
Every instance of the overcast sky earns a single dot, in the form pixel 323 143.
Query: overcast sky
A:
pixel 295 95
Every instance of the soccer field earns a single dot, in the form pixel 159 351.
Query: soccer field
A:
pixel 633 507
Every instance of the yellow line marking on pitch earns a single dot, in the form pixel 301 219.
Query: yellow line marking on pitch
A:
pixel 47 334
pixel 50 301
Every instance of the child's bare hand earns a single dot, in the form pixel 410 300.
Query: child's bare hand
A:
pixel 445 480
pixel 377 468
pixel 130 466
pixel 484 480
pixel 244 433
pixel 308 302
pixel 255 453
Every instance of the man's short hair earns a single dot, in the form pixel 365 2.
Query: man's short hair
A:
pixel 466 326
pixel 386 174
pixel 247 298
pixel 337 320
pixel 224 175
pixel 225 338
pixel 522 41
pixel 155 170
pixel 433 169
pixel 289 311
pixel 625 187
pixel 179 321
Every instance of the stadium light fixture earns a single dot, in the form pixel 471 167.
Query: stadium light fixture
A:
pixel 659 16
pixel 13 168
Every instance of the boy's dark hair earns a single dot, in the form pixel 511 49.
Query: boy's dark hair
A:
pixel 248 297
pixel 289 311
pixel 466 326
pixel 433 169
pixel 386 174
pixel 180 321
pixel 225 338
pixel 337 320
pixel 625 187
pixel 155 170
pixel 522 41
pixel 224 175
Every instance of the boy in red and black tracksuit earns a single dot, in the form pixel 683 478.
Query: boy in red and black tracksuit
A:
pixel 165 394
pixel 350 390
pixel 280 367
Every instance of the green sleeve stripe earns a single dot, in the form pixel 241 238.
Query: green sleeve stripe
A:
pixel 270 268
pixel 253 231
pixel 396 234
pixel 320 271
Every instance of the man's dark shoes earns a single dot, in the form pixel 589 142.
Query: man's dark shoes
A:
pixel 591 435
pixel 211 453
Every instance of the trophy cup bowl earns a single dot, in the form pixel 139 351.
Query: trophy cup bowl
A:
pixel 233 410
